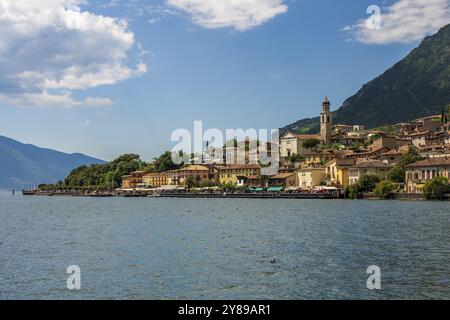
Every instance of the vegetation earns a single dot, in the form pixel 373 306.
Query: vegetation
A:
pixel 294 158
pixel 397 174
pixel 418 85
pixel 207 184
pixel 165 163
pixel 310 143
pixel 373 138
pixel 108 176
pixel 436 188
pixel 190 182
pixel 367 183
pixel 385 190
pixel 227 186
pixel 104 176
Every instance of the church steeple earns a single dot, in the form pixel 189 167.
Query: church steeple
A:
pixel 326 121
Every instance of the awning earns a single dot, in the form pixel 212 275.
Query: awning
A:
pixel 256 189
pixel 275 189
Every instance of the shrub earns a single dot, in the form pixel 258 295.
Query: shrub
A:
pixel 385 190
pixel 436 188
pixel 368 182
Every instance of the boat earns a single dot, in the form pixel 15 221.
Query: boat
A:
pixel 28 192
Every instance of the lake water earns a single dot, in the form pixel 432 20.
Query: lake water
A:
pixel 222 249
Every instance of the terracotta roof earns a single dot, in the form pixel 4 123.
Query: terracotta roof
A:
pixel 372 164
pixel 155 174
pixel 282 176
pixel 303 136
pixel 312 168
pixel 195 168
pixel 239 167
pixel 440 161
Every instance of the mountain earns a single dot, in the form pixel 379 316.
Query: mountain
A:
pixel 23 164
pixel 417 86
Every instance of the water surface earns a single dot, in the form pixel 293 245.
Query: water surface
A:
pixel 222 249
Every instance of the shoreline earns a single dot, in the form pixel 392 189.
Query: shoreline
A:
pixel 223 195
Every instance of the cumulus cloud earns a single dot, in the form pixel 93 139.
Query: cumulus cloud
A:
pixel 238 14
pixel 48 48
pixel 404 21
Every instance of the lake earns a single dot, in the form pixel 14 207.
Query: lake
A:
pixel 155 248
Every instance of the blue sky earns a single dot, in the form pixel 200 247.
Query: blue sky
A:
pixel 82 82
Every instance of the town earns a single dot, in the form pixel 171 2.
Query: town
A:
pixel 407 160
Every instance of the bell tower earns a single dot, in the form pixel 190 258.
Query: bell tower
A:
pixel 326 122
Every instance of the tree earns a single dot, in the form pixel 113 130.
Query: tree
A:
pixel 294 158
pixel 436 188
pixel 310 143
pixel 368 182
pixel 373 138
pixel 385 190
pixel 165 163
pixel 190 182
pixel 397 174
pixel 206 184
pixel 353 192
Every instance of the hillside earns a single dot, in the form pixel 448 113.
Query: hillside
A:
pixel 418 85
pixel 23 164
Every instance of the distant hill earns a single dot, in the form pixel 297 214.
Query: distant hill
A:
pixel 417 86
pixel 23 164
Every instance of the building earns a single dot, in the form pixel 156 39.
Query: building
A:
pixel 418 173
pixel 394 156
pixel 285 180
pixel 435 151
pixel 337 171
pixel 197 172
pixel 230 174
pixel 291 144
pixel 320 157
pixel 134 180
pixel 309 178
pixel 155 180
pixel 326 122
pixel 374 167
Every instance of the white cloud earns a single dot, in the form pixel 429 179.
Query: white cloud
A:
pixel 55 46
pixel 404 21
pixel 238 14
pixel 48 100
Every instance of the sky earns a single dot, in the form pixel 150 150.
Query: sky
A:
pixel 111 77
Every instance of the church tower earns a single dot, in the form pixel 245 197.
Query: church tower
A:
pixel 326 122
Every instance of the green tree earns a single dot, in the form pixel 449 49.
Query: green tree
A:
pixel 436 188
pixel 310 143
pixel 397 174
pixel 206 184
pixel 385 190
pixel 368 182
pixel 294 158
pixel 190 182
pixel 353 192
pixel 165 163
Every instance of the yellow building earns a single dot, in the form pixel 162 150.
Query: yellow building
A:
pixel 418 173
pixel 197 172
pixel 154 180
pixel 230 174
pixel 338 171
pixel 320 157
pixel 133 180
pixel 373 167
pixel 309 178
